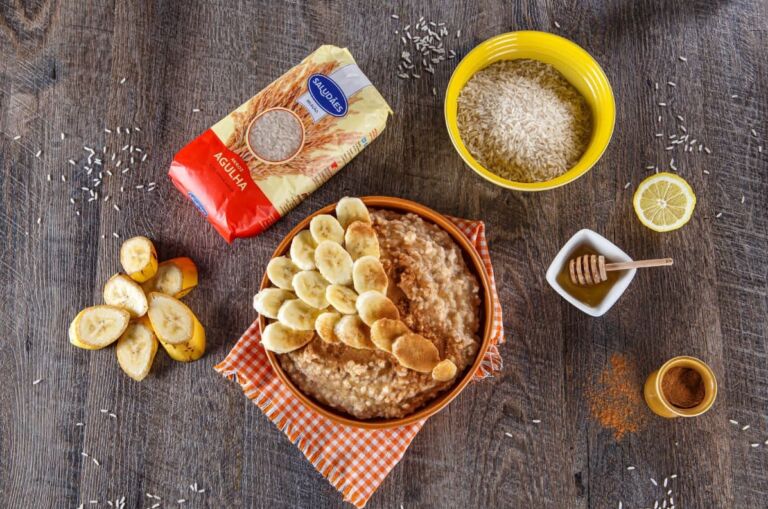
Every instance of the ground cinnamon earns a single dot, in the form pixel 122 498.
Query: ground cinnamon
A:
pixel 683 387
pixel 615 399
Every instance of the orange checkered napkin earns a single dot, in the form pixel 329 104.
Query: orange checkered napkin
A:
pixel 354 460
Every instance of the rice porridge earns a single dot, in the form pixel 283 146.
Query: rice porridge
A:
pixel 437 296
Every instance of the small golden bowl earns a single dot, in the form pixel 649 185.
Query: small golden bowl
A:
pixel 658 403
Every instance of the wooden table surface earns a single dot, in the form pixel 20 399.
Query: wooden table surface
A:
pixel 62 70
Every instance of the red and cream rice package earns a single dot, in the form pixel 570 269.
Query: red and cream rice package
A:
pixel 264 158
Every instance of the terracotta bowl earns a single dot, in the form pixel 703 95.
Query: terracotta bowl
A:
pixel 473 261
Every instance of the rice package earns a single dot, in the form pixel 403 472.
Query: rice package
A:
pixel 265 157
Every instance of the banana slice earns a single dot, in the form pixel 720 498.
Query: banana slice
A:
pixel 280 272
pixel 175 277
pixel 139 258
pixel 353 332
pixel 416 352
pixel 280 338
pixel 374 306
pixel 385 331
pixel 360 240
pixel 297 315
pixel 326 227
pixel 177 328
pixel 368 275
pixel 310 287
pixel 324 325
pixel 334 263
pixel 342 298
pixel 268 301
pixel 444 370
pixel 303 250
pixel 136 350
pixel 349 210
pixel 98 326
pixel 123 292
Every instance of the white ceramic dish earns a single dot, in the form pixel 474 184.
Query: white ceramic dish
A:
pixel 600 245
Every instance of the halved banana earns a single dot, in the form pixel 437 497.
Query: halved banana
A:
pixel 385 331
pixel 279 338
pixel 298 315
pixel 324 325
pixel 416 352
pixel 310 287
pixel 334 263
pixel 303 250
pixel 136 350
pixel 175 277
pixel 139 258
pixel 360 240
pixel 444 370
pixel 326 227
pixel 342 298
pixel 98 326
pixel 350 209
pixel 368 275
pixel 123 292
pixel 177 328
pixel 268 301
pixel 280 272
pixel 353 332
pixel 372 306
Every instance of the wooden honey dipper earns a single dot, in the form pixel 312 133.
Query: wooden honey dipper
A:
pixel 591 269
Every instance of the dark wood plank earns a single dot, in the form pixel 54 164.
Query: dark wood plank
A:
pixel 61 72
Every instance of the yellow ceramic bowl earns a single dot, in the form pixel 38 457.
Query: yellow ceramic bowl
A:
pixel 578 67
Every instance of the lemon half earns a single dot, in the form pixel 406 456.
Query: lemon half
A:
pixel 664 202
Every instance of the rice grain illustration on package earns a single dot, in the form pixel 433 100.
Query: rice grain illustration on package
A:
pixel 265 157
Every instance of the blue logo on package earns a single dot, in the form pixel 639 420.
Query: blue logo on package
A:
pixel 328 95
pixel 198 204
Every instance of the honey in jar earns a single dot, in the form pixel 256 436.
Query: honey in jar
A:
pixel 591 295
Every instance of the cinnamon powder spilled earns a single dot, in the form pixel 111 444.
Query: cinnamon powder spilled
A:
pixel 615 399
